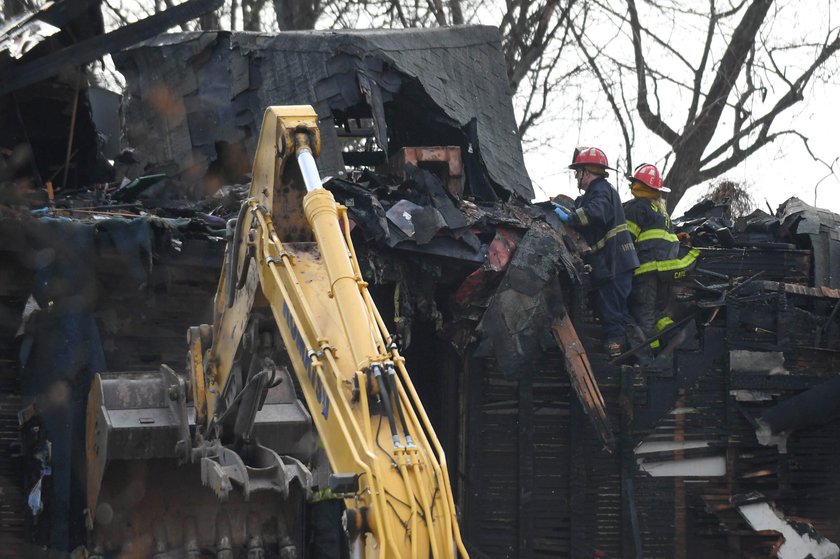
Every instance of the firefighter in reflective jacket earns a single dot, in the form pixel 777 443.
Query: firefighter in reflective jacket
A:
pixel 658 250
pixel 599 217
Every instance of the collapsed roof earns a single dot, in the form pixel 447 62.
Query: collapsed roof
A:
pixel 52 121
pixel 195 100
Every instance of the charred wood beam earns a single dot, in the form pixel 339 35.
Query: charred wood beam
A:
pixel 816 406
pixel 88 50
pixel 361 158
pixel 525 512
pixel 582 378
pixel 631 536
pixel 773 383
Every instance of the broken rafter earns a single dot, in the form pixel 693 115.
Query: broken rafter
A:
pixel 95 47
pixel 583 379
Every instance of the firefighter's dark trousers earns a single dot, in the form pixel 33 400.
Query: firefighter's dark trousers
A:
pixel 328 540
pixel 649 301
pixel 612 306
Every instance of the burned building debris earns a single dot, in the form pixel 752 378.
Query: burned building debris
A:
pixel 195 101
pixel 726 448
pixel 52 114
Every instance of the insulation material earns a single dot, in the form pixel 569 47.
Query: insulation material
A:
pixel 652 458
pixel 800 540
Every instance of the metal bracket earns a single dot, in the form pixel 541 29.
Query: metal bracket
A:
pixel 176 388
pixel 265 470
pixel 344 484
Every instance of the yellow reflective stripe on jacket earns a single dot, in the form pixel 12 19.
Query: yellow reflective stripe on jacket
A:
pixel 668 265
pixel 657 234
pixel 633 228
pixel 581 215
pixel 664 322
pixel 610 234
pixel 651 266
pixel 661 324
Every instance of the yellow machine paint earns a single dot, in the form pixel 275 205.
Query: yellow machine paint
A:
pixel 290 258
pixel 338 345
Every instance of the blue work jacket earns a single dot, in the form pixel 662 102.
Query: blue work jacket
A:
pixel 599 217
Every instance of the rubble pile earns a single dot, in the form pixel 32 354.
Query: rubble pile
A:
pixel 488 281
pixel 725 448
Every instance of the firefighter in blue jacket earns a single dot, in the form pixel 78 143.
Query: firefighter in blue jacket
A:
pixel 658 250
pixel 599 217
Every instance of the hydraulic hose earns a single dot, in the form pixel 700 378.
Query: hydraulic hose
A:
pixel 233 254
pixel 392 380
pixel 386 403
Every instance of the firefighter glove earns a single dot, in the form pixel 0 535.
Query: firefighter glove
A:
pixel 561 212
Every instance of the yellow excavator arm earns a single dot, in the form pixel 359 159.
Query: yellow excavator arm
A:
pixel 219 459
pixel 386 461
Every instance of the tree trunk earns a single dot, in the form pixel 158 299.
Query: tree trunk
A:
pixel 457 12
pixel 251 15
pixel 209 22
pixel 681 176
pixel 297 14
pixel 694 140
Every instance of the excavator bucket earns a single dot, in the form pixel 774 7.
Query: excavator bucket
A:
pixel 147 495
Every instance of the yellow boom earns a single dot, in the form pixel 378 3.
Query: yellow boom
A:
pixel 363 404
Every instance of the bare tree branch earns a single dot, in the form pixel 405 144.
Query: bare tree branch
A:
pixel 738 157
pixel 593 65
pixel 741 113
pixel 653 121
pixel 699 133
pixel 701 68
pixel 300 14
pixel 252 14
pixel 118 13
pixel 526 36
pixel 183 26
pixel 654 36
pixel 542 89
pixel 627 110
pixel 436 7
pixel 793 96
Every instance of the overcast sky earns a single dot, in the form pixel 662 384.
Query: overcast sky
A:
pixel 778 171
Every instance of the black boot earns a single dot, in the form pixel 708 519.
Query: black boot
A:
pixel 614 348
pixel 636 337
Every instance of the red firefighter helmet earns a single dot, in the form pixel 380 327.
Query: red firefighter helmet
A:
pixel 589 156
pixel 648 175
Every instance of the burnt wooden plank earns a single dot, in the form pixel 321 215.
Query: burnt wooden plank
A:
pixel 90 49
